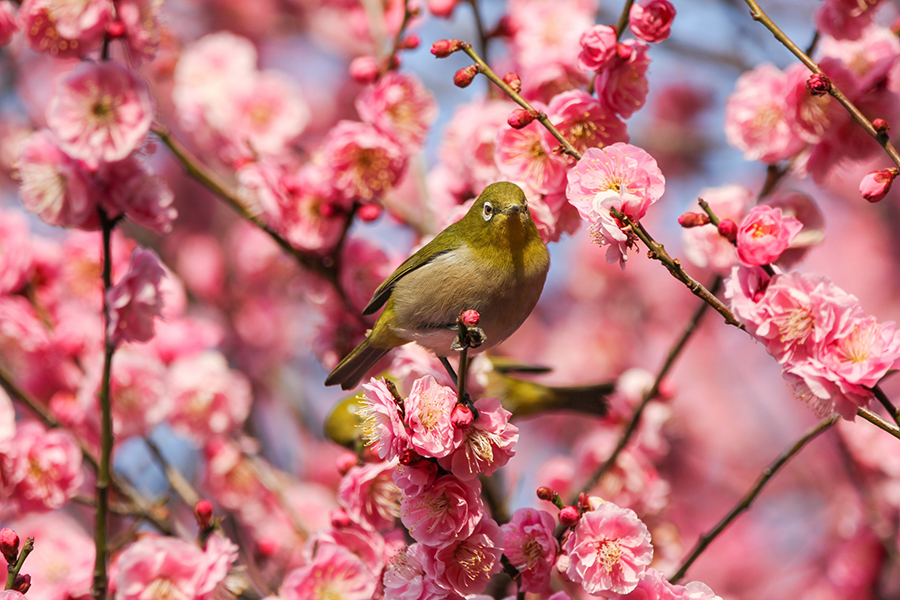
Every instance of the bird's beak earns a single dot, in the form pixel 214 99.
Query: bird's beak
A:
pixel 513 209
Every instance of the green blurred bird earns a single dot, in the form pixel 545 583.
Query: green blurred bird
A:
pixel 492 260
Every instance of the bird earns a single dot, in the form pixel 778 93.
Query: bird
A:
pixel 493 261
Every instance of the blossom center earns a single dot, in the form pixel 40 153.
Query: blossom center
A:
pixel 767 118
pixel 609 552
pixel 857 347
pixel 796 324
pixel 163 588
pixel 472 559
pixel 386 496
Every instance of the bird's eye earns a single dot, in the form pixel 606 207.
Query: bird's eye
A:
pixel 487 211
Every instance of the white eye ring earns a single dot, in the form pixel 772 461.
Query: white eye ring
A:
pixel 488 211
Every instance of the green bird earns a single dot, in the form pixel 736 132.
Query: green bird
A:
pixel 492 260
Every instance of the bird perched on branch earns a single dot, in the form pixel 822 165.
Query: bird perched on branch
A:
pixel 492 261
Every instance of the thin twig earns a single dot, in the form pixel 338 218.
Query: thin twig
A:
pixel 650 394
pixel 179 483
pixel 878 422
pixel 887 404
pixel 759 15
pixel 745 502
pixel 623 19
pixel 479 28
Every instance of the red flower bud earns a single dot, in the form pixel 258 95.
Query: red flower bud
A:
pixel 364 69
pixel 818 85
pixel 410 42
pixel 369 212
pixel 522 117
pixel 340 519
pixel 513 80
pixel 203 511
pixel 728 230
pixel 692 219
pixel 504 28
pixel 115 29
pixel 876 184
pixel 444 48
pixel 461 417
pixel 881 126
pixel 469 318
pixel 545 493
pixel 409 457
pixel 267 547
pixel 22 583
pixel 568 516
pixel 9 545
pixel 624 51
pixel 464 76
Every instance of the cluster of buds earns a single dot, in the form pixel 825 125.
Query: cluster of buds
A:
pixel 9 546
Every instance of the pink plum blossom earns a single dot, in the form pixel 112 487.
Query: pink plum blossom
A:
pixel 654 586
pixel 756 116
pixel 367 545
pixel 315 218
pixel 39 25
pixel 428 410
pixel 369 495
pixel 531 547
pixel 469 146
pixel 703 245
pixel 522 155
pixel 543 33
pixel 54 186
pixel 382 423
pixel 155 565
pixel 135 299
pixel 100 112
pixel 15 251
pixel 406 578
pixel 598 47
pixel 585 121
pixel 415 478
pixel 651 20
pixel 334 572
pixel 624 82
pixel 132 189
pixel 764 234
pixel 619 176
pixel 398 106
pixel 75 20
pixel 845 19
pixel 209 398
pixel 7 421
pixel 366 163
pixel 608 550
pixel 449 509
pixel 485 445
pixel 41 468
pixel 465 564
pixel 141 21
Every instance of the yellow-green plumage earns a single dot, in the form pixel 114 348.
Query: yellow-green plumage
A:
pixel 492 260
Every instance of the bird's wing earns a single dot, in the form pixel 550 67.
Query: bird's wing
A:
pixel 439 245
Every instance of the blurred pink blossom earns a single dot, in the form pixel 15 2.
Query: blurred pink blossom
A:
pixel 703 245
pixel 522 155
pixel 465 565
pixel 756 116
pixel 209 399
pixel 449 509
pixel 598 47
pixel 366 163
pixel 845 19
pixel 399 106
pixel 369 495
pixel 333 571
pixel 585 121
pixel 608 550
pixel 651 20
pixel 367 545
pixel 37 21
pixel 141 20
pixel 382 423
pixel 132 188
pixel 41 469
pixel 54 186
pixel 764 234
pixel 531 547
pixel 8 23
pixel 469 146
pixel 15 251
pixel 135 300
pixel 100 112
pixel 542 33
pixel 74 20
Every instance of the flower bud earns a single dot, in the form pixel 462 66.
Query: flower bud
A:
pixel 364 69
pixel 267 546
pixel 818 84
pixel 624 51
pixel 410 42
pixel 728 230
pixel 444 48
pixel 115 29
pixel 461 417
pixel 692 219
pixel 470 318
pixel 876 184
pixel 369 212
pixel 522 117
pixel 340 519
pixel 9 545
pixel 203 511
pixel 513 80
pixel 651 20
pixel 504 28
pixel 345 462
pixel 22 583
pixel 598 47
pixel 881 126
pixel 546 494
pixel 568 516
pixel 464 76
pixel 409 457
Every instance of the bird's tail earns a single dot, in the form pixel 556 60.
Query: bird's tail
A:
pixel 352 369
